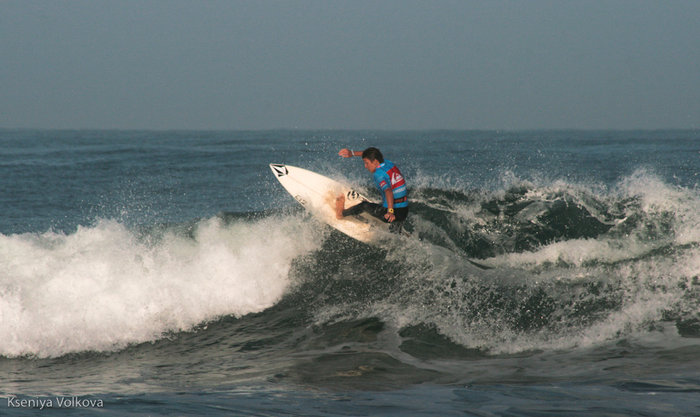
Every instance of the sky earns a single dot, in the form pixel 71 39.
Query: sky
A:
pixel 334 64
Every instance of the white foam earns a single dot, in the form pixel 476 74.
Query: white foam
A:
pixel 658 198
pixel 660 205
pixel 648 289
pixel 642 271
pixel 102 287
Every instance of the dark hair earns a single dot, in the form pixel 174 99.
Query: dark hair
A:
pixel 373 154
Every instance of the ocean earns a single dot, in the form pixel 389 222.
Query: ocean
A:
pixel 548 273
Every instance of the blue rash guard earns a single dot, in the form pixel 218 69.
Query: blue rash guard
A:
pixel 386 176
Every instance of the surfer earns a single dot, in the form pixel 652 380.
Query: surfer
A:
pixel 391 184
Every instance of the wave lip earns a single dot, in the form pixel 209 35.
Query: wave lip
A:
pixel 104 287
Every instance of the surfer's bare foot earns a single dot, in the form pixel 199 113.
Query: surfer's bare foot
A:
pixel 339 206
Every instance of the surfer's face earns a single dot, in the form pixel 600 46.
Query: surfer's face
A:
pixel 371 166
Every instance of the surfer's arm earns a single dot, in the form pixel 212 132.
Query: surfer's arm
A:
pixel 348 153
pixel 390 204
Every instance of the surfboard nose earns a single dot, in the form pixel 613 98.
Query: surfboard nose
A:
pixel 279 169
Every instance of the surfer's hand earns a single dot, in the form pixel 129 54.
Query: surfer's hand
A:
pixel 345 153
pixel 390 217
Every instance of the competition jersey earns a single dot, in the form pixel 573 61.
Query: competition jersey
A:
pixel 388 175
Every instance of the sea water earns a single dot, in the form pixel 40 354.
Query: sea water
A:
pixel 168 273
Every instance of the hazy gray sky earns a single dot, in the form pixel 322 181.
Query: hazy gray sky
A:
pixel 396 64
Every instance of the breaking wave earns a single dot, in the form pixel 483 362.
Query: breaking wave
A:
pixel 104 287
pixel 524 267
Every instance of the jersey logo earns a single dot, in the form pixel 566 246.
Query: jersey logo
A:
pixel 396 178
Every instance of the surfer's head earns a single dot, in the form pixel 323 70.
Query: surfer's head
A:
pixel 373 154
pixel 372 159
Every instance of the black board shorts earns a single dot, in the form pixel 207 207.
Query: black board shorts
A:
pixel 378 211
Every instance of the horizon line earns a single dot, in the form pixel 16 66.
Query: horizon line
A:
pixel 342 129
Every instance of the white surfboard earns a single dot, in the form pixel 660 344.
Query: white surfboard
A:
pixel 317 194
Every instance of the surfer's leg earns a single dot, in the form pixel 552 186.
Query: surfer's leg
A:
pixel 339 206
pixel 401 213
pixel 341 211
pixel 397 225
pixel 375 210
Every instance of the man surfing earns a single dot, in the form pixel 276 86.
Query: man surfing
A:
pixel 391 184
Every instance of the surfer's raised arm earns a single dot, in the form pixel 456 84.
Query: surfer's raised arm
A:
pixel 348 153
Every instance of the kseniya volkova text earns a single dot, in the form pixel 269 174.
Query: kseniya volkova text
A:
pixel 54 402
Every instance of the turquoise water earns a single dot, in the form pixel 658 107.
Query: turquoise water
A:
pixel 169 273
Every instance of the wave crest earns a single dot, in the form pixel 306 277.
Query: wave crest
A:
pixel 104 287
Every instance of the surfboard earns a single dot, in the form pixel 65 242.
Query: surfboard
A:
pixel 317 194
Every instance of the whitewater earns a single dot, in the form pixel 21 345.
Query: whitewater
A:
pixel 104 287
